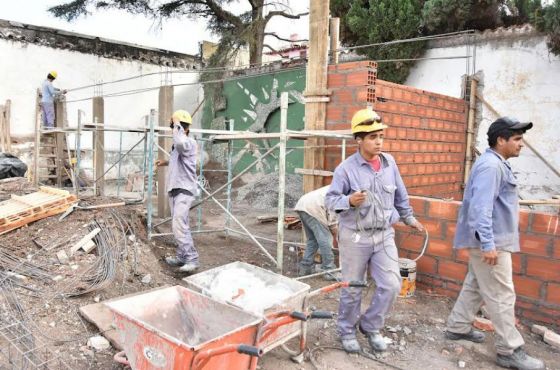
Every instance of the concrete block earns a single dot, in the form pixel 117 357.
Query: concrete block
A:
pixel 84 241
pixel 62 257
pixel 552 338
pixel 539 329
pixel 89 246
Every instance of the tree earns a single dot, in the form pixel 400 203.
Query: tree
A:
pixel 246 28
pixel 366 22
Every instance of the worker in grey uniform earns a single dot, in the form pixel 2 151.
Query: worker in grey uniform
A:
pixel 487 227
pixel 181 185
pixel 49 93
pixel 369 195
pixel 321 228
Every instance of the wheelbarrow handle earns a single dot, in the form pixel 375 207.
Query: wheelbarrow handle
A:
pixel 321 315
pixel 357 284
pixel 201 358
pixel 249 350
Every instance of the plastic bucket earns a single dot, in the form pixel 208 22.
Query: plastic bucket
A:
pixel 407 268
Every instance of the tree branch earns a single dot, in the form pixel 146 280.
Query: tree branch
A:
pixel 223 14
pixel 274 50
pixel 275 13
pixel 283 39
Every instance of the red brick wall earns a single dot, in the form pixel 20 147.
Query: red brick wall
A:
pixel 536 270
pixel 426 132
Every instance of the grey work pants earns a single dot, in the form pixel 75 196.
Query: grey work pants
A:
pixel 180 205
pixel 319 238
pixel 47 110
pixel 379 253
pixel 492 285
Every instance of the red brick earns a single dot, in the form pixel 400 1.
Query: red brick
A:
pixel 418 205
pixel 517 262
pixel 355 65
pixel 411 242
pixel 335 113
pixel 483 324
pixel 446 210
pixel 336 80
pixel 433 227
pixel 357 78
pixel 452 270
pixel 556 247
pixel 553 293
pixel 527 287
pixel 426 265
pixel 543 268
pixel 536 245
pixel 442 248
pixel 546 223
pixel 538 317
pixel 343 96
pixel 446 292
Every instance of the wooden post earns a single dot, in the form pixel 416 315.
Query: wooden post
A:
pixel 470 130
pixel 99 145
pixel 282 180
pixel 316 92
pixel 60 122
pixel 335 35
pixel 164 114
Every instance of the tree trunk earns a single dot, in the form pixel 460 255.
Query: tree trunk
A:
pixel 257 35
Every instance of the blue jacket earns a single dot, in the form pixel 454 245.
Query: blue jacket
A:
pixel 355 174
pixel 489 215
pixel 181 173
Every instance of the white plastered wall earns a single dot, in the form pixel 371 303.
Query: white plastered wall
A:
pixel 520 79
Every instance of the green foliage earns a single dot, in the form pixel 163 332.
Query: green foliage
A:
pixel 381 21
pixel 551 24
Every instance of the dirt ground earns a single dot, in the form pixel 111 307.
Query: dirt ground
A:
pixel 416 324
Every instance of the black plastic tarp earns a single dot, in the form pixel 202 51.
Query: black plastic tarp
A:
pixel 11 166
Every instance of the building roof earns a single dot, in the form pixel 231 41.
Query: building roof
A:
pixel 59 39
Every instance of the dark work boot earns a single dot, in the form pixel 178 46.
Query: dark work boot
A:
pixel 351 345
pixel 174 261
pixel 520 360
pixel 473 336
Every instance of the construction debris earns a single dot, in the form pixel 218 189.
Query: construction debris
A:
pixel 62 257
pixel 85 243
pixel 98 343
pixel 19 211
pixel 552 338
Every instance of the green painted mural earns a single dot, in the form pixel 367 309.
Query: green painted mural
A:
pixel 253 103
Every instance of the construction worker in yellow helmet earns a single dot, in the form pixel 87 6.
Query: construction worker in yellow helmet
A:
pixel 181 186
pixel 369 196
pixel 49 94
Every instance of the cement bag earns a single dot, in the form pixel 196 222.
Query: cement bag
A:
pixel 11 166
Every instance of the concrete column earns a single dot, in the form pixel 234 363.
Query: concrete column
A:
pixel 60 122
pixel 99 145
pixel 165 111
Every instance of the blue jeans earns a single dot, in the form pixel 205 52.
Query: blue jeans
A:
pixel 318 238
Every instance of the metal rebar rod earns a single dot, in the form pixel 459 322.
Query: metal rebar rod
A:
pixel 263 249
pixel 266 239
pixel 119 166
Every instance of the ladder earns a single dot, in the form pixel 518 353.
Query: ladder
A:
pixel 51 164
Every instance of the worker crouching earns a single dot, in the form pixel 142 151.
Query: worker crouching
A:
pixel 181 186
pixel 369 196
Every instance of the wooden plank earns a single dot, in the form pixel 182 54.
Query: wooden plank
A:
pixel 84 241
pixel 305 171
pixel 37 146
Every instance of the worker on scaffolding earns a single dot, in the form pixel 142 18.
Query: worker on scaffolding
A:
pixel 48 95
pixel 320 227
pixel 487 226
pixel 369 195
pixel 182 187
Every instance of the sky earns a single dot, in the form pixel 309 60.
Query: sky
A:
pixel 173 34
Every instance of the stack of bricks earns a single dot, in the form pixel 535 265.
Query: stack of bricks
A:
pixel 426 135
pixel 536 270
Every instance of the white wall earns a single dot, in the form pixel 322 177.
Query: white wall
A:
pixel 521 79
pixel 25 66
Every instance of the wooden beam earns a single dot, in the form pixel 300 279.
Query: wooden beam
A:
pixel 60 122
pixel 165 111
pixel 99 145
pixel 316 88
pixel 305 171
pixel 37 147
pixel 334 34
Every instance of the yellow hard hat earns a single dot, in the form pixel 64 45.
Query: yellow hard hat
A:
pixel 54 74
pixel 366 120
pixel 182 116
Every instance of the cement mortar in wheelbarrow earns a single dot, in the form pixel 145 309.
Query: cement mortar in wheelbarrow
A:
pixel 167 329
pixel 255 290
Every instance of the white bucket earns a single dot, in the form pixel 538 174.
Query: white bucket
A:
pixel 407 268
